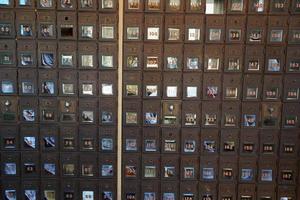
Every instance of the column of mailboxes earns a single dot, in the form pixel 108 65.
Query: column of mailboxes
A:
pixel 211 101
pixel 58 76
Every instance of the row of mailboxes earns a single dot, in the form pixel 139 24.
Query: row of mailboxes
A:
pixel 49 55
pixel 67 189
pixel 174 85
pixel 62 25
pixel 32 82
pixel 153 168
pixel 170 57
pixel 210 86
pixel 209 169
pixel 151 28
pixel 194 28
pixel 190 6
pixel 274 30
pixel 149 140
pixel 214 7
pixel 53 138
pixel 265 169
pixel 150 85
pixel 35 165
pixel 210 142
pixel 65 110
pixel 210 114
pixel 150 57
pixel 64 5
pixel 153 113
pixel 211 58
pixel 168 190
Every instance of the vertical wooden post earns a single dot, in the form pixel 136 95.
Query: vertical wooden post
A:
pixel 120 81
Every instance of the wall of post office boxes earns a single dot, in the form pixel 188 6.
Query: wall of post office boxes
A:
pixel 58 105
pixel 210 93
pixel 211 99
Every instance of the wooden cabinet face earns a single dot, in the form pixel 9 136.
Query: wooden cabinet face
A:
pixel 209 94
pixel 58 98
pixel 224 75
